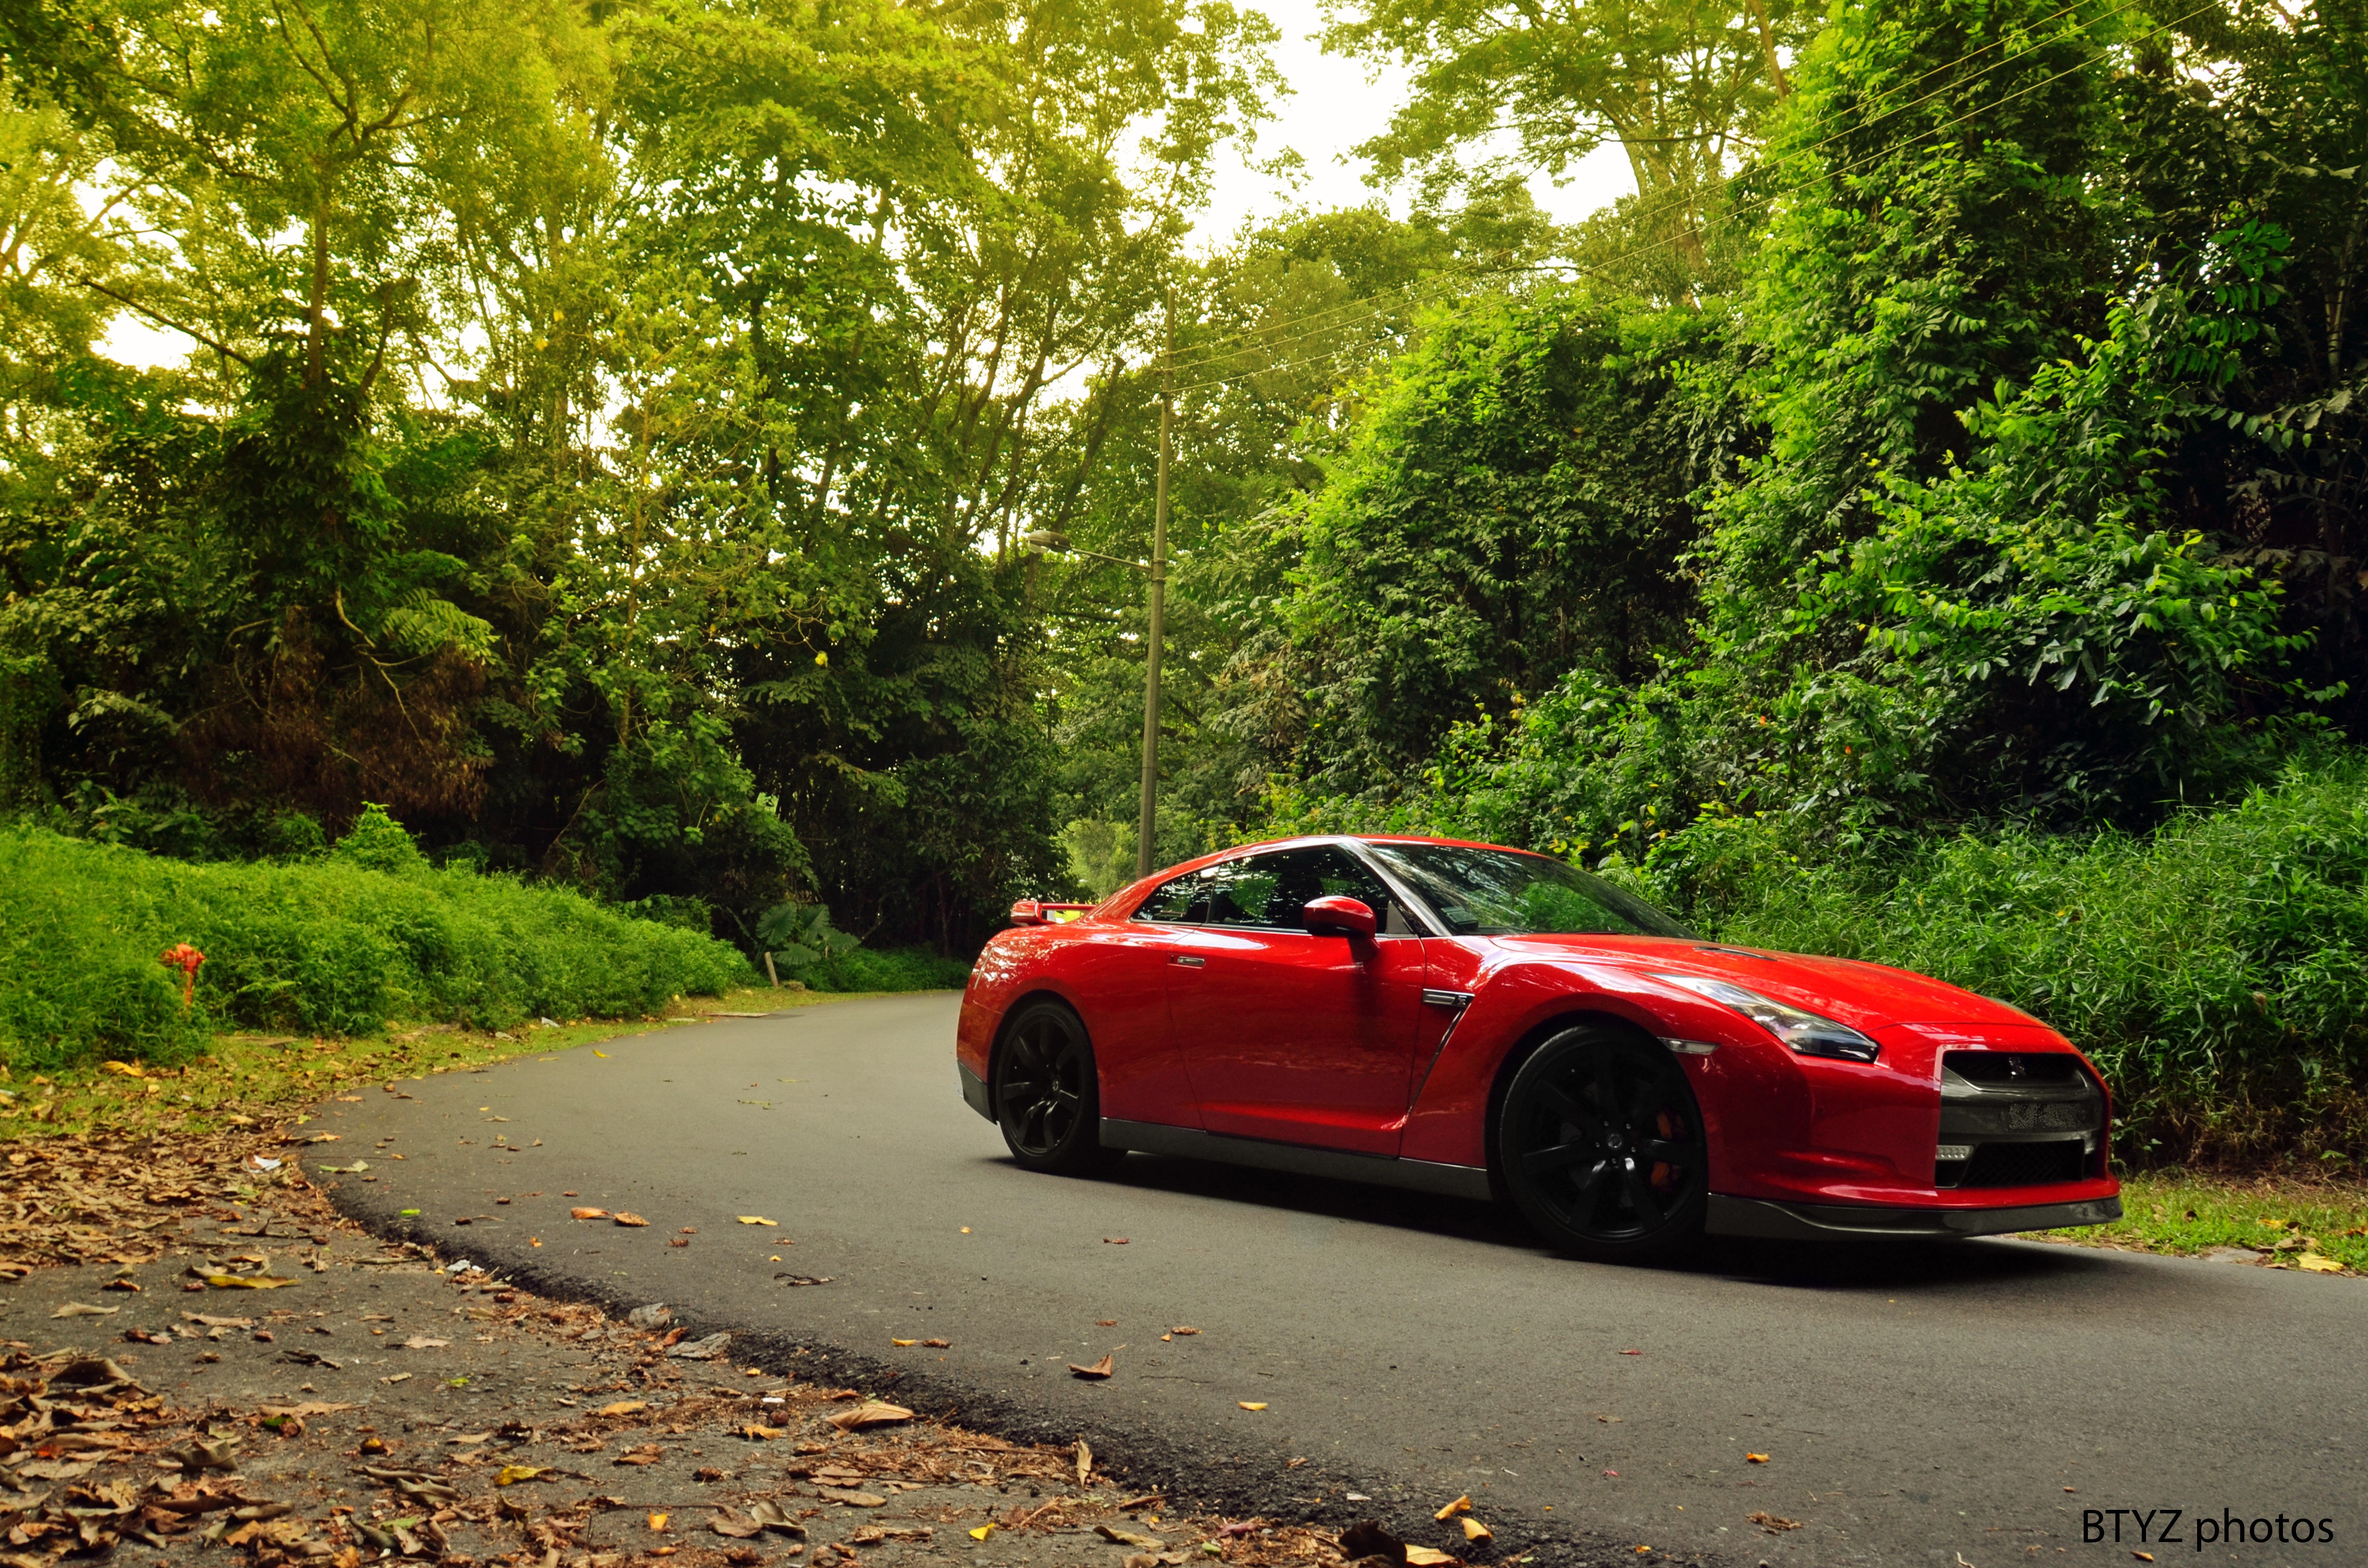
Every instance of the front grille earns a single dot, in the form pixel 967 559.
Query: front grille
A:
pixel 2025 1164
pixel 2017 1118
pixel 2014 1066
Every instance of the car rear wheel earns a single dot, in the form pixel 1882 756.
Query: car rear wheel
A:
pixel 1601 1146
pixel 1047 1098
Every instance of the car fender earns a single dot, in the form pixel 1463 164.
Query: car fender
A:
pixel 1115 980
pixel 1749 1090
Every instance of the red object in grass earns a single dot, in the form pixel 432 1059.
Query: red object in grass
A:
pixel 186 959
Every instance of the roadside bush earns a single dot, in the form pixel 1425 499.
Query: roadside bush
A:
pixel 891 969
pixel 330 947
pixel 2216 968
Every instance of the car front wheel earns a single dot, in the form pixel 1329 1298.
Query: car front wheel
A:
pixel 1601 1146
pixel 1047 1098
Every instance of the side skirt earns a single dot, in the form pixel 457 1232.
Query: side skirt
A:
pixel 1191 1143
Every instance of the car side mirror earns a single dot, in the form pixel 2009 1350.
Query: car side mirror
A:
pixel 1336 914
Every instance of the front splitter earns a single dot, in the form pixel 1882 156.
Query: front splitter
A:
pixel 1832 1222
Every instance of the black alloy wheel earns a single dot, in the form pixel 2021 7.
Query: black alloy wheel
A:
pixel 1601 1146
pixel 1047 1099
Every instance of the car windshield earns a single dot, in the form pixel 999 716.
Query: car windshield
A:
pixel 1499 893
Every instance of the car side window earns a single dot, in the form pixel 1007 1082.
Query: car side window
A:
pixel 1272 890
pixel 1178 901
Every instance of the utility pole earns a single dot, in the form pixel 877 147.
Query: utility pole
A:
pixel 1146 824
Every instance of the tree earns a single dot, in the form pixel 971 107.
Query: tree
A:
pixel 1681 87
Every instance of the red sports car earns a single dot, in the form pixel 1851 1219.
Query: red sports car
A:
pixel 1470 1019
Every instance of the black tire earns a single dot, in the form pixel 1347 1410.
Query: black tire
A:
pixel 1047 1098
pixel 1601 1144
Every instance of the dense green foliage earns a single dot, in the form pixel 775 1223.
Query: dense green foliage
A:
pixel 891 969
pixel 336 946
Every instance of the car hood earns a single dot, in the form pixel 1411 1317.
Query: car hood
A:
pixel 1863 995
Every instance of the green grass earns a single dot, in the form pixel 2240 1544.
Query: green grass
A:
pixel 334 946
pixel 2185 1212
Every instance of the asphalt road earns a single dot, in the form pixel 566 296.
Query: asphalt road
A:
pixel 1951 1404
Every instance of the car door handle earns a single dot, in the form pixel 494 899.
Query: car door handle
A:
pixel 1188 964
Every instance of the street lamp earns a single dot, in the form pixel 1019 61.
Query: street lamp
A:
pixel 1146 820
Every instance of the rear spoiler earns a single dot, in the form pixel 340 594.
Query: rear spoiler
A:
pixel 1037 911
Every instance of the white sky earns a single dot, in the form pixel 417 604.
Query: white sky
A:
pixel 1333 107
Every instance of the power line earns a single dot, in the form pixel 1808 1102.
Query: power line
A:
pixel 1439 281
pixel 1695 231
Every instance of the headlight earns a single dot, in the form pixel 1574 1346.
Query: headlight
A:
pixel 1807 1033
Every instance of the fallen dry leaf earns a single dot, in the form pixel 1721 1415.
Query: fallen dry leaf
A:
pixel 658 1521
pixel 1424 1557
pixel 1128 1538
pixel 757 1434
pixel 851 1497
pixel 773 1517
pixel 511 1474
pixel 1104 1368
pixel 1084 1462
pixel 587 1213
pixel 421 1341
pixel 901 1342
pixel 2317 1263
pixel 982 1532
pixel 623 1407
pixel 1757 1458
pixel 870 1413
pixel 1114 1241
pixel 648 1454
pixel 755 1220
pixel 1183 1332
pixel 1474 1530
pixel 1773 1525
pixel 624 1218
pixel 1461 1506
pixel 83 1310
pixel 937 1343
pixel 246 1281
pixel 1251 1403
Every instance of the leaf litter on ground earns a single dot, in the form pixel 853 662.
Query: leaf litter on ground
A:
pixel 501 1490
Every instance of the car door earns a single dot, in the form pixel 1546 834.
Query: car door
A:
pixel 1287 1035
pixel 1120 979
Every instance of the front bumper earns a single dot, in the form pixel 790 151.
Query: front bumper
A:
pixel 1842 1222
